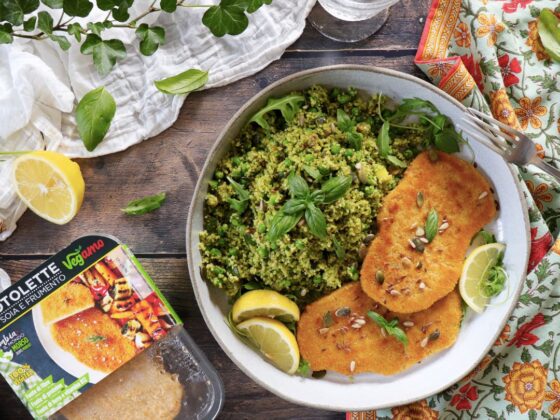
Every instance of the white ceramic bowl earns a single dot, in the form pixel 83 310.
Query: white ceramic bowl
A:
pixel 368 391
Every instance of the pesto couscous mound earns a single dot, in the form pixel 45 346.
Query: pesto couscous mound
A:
pixel 294 203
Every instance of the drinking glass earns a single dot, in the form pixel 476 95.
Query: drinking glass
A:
pixel 350 20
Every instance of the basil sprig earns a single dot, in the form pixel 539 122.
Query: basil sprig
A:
pixel 304 203
pixel 431 225
pixel 391 327
pixel 348 126
pixel 239 205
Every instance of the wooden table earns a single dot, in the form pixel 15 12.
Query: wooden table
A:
pixel 171 162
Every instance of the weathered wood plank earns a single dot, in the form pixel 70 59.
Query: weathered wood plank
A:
pixel 244 398
pixel 168 162
pixel 401 31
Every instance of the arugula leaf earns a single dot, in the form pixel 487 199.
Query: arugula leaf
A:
pixel 150 38
pixel 183 83
pixel 13 11
pixel 105 53
pixel 287 105
pixel 29 24
pixel 281 224
pixel 144 205
pixel 228 17
pixel 316 221
pixel 431 226
pixel 396 161
pixel 6 36
pixel 383 139
pixel 168 6
pixel 94 114
pixel 79 8
pixel 447 140
pixel 45 22
pixel 298 186
pixel 53 4
pixel 335 188
pixel 390 327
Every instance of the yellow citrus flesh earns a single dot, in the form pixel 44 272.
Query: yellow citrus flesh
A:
pixel 50 184
pixel 274 340
pixel 475 271
pixel 265 303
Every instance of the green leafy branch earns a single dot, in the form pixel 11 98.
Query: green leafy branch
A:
pixel 304 203
pixel 18 18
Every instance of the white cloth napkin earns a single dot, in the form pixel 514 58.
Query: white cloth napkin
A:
pixel 40 84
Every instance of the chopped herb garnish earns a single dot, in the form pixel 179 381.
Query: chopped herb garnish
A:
pixel 391 327
pixel 96 338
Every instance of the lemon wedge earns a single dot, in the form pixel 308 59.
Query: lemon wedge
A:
pixel 274 340
pixel 50 184
pixel 475 271
pixel 264 303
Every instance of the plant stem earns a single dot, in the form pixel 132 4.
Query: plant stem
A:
pixel 23 152
pixel 206 6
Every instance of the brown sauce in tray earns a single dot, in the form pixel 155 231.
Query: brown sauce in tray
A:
pixel 94 339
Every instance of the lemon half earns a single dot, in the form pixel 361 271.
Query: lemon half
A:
pixel 274 340
pixel 50 184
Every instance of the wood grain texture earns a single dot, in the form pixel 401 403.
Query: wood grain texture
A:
pixel 171 162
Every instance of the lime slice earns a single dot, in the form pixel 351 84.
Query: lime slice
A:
pixel 475 271
pixel 274 340
pixel 264 303
pixel 50 184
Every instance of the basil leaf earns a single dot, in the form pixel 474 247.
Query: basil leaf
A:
pixel 145 205
pixel 61 40
pixel 398 334
pixel 335 188
pixel 396 161
pixel 53 4
pixel 297 185
pixel 431 226
pixel 316 221
pixel 13 11
pixel 29 24
pixel 294 206
pixel 317 197
pixel 150 38
pixel 355 140
pixel 94 114
pixel 390 327
pixel 339 249
pixel 378 319
pixel 239 206
pixel 80 8
pixel 228 17
pixel 168 6
pixel 76 30
pixel 45 22
pixel 281 224
pixel 105 53
pixel 343 121
pixel 182 83
pixel 6 36
pixel 239 190
pixel 287 105
pixel 313 172
pixel 383 140
pixel 448 140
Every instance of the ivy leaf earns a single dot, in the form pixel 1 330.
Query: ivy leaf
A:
pixel 150 38
pixel 182 83
pixel 76 30
pixel 226 18
pixel 45 22
pixel 80 8
pixel 94 114
pixel 96 27
pixel 6 34
pixel 168 6
pixel 105 5
pixel 316 221
pixel 144 205
pixel 383 139
pixel 62 41
pixel 254 5
pixel 105 53
pixel 53 4
pixel 120 13
pixel 12 11
pixel 29 24
pixel 287 105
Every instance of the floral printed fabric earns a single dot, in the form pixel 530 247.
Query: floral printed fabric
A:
pixel 488 55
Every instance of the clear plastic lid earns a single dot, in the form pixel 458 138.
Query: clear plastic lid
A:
pixel 170 379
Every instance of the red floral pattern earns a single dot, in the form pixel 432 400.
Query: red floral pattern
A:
pixel 514 4
pixel 523 336
pixel 539 248
pixel 473 68
pixel 462 400
pixel 509 68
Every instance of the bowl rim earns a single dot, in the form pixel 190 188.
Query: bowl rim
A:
pixel 218 142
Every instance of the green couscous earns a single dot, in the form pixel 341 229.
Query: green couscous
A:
pixel 278 177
